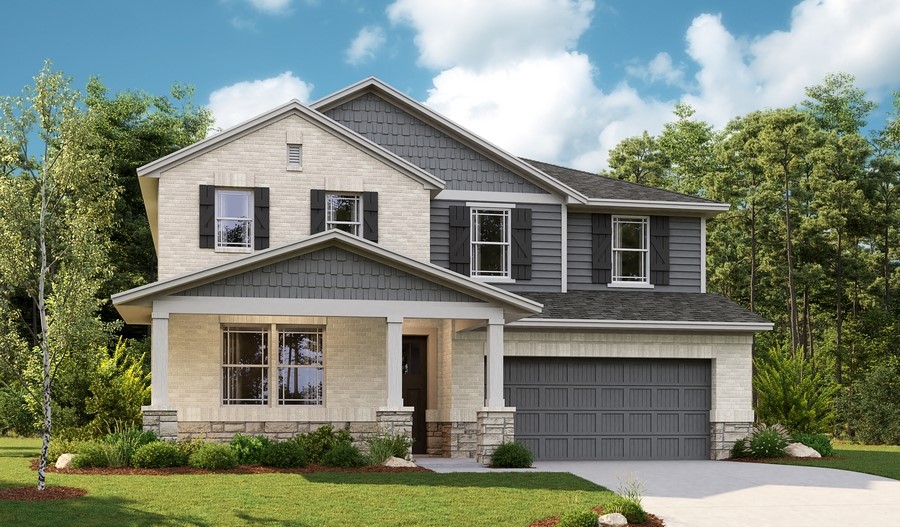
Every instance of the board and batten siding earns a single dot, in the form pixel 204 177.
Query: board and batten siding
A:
pixel 546 266
pixel 684 254
pixel 461 167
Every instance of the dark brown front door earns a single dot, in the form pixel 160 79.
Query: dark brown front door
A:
pixel 415 393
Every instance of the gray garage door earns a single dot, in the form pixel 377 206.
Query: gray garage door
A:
pixel 610 408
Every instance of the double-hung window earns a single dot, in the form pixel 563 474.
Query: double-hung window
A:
pixel 630 249
pixel 344 212
pixel 490 255
pixel 300 366
pixel 234 218
pixel 245 365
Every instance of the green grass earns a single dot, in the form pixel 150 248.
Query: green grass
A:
pixel 880 460
pixel 294 500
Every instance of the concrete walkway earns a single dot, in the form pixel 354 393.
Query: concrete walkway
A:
pixel 731 494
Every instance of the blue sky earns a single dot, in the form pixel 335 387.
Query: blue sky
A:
pixel 559 80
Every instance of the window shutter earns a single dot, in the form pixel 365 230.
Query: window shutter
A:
pixel 317 212
pixel 261 218
pixel 659 250
pixel 521 244
pixel 207 216
pixel 460 225
pixel 370 216
pixel 601 248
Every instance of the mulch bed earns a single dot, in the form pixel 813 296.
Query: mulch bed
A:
pixel 652 521
pixel 31 493
pixel 243 469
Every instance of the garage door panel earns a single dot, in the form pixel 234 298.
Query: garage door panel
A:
pixel 579 408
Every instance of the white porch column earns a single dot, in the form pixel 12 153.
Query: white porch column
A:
pixel 159 361
pixel 394 362
pixel 494 373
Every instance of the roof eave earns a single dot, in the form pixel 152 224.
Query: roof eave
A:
pixel 704 209
pixel 670 325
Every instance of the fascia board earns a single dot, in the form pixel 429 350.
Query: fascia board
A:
pixel 705 209
pixel 745 327
pixel 428 115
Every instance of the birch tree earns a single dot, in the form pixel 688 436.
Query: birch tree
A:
pixel 56 210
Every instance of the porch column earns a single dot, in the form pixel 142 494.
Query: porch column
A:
pixel 494 373
pixel 159 361
pixel 394 362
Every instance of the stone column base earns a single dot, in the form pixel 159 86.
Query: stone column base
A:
pixel 164 423
pixel 495 426
pixel 722 436
pixel 395 421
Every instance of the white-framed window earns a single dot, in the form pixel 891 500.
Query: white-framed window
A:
pixel 234 218
pixel 490 236
pixel 631 249
pixel 294 156
pixel 300 366
pixel 296 368
pixel 344 212
pixel 245 365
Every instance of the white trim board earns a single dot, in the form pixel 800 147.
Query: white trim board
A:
pixel 640 324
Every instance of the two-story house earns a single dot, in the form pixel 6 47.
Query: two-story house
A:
pixel 367 263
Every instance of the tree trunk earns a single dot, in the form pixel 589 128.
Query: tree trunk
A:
pixel 45 333
pixel 839 312
pixel 753 258
pixel 792 293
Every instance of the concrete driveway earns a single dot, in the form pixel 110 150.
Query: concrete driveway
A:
pixel 731 494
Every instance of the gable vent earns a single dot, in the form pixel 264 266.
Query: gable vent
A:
pixel 295 155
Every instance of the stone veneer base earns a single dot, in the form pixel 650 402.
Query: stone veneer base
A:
pixel 722 436
pixel 494 427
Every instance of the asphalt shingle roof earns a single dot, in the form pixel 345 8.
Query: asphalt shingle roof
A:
pixel 642 305
pixel 600 187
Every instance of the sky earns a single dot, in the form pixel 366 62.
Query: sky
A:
pixel 557 80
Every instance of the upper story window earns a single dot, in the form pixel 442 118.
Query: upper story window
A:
pixel 234 218
pixel 631 249
pixel 490 231
pixel 343 212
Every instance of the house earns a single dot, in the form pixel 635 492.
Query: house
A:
pixel 367 263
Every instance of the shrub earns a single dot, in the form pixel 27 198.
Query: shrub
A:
pixel 127 441
pixel 383 446
pixel 213 456
pixel 96 454
pixel 187 447
pixel 873 409
pixel 14 414
pixel 119 386
pixel 792 392
pixel 768 441
pixel 158 454
pixel 739 449
pixel 512 455
pixel 818 442
pixel 345 455
pixel 248 448
pixel 629 508
pixel 288 454
pixel 578 518
pixel 59 447
pixel 317 443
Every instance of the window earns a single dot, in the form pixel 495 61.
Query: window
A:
pixel 342 212
pixel 300 366
pixel 297 365
pixel 245 365
pixel 234 218
pixel 294 156
pixel 630 249
pixel 490 243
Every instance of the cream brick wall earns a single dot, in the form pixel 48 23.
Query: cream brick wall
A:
pixel 467 395
pixel 259 159
pixel 730 355
pixel 354 373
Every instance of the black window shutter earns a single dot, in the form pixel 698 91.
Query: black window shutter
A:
pixel 370 216
pixel 207 216
pixel 460 225
pixel 601 248
pixel 261 218
pixel 659 250
pixel 317 212
pixel 521 244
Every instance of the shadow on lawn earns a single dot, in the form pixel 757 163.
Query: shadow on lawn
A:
pixel 258 520
pixel 513 480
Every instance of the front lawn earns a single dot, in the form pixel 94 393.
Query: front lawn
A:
pixel 374 499
pixel 880 460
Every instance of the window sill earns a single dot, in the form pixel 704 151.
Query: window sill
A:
pixel 493 279
pixel 630 285
pixel 235 250
pixel 294 168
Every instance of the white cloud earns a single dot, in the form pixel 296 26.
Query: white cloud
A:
pixel 659 69
pixel 475 33
pixel 239 102
pixel 367 42
pixel 272 7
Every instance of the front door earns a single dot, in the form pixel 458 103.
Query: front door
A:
pixel 415 393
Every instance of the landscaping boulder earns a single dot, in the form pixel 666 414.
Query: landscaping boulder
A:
pixel 800 450
pixel 612 520
pixel 64 460
pixel 397 462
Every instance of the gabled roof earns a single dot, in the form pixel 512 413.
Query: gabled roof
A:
pixel 459 133
pixel 642 310
pixel 616 193
pixel 134 304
